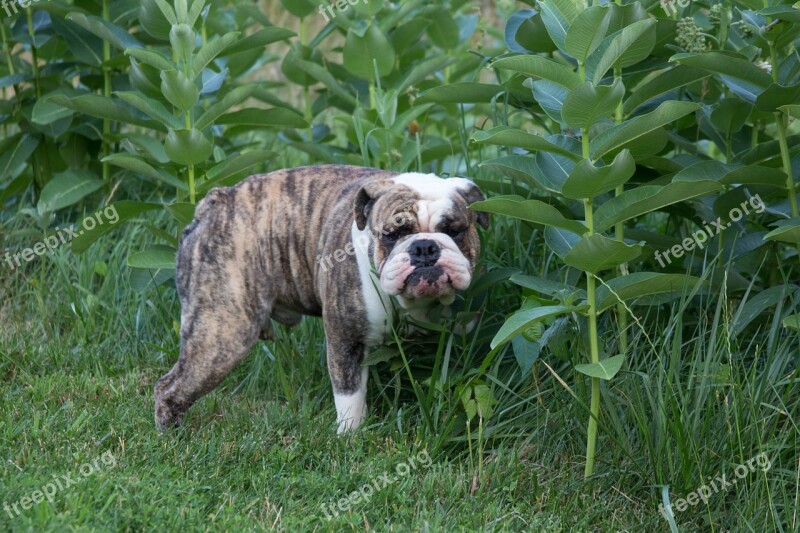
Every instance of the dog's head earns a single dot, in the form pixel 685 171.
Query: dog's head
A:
pixel 423 240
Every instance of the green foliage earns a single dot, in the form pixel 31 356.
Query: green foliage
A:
pixel 610 129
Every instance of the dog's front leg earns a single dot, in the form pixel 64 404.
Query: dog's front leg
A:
pixel 349 380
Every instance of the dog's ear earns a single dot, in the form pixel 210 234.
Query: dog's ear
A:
pixel 365 199
pixel 473 194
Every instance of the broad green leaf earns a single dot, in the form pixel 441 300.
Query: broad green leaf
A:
pixel 211 50
pixel 648 198
pixel 14 156
pixel 125 210
pixel 630 130
pixel 560 241
pixel 541 68
pixel 787 231
pixel 588 104
pixel 789 13
pixel 154 21
pixel 742 76
pixel 195 11
pixel 105 30
pixel 792 322
pixel 506 136
pixel 444 32
pixel 187 147
pixel 151 57
pixel 232 98
pixel 525 32
pixel 550 98
pixel 668 80
pixel 362 53
pixel 143 280
pixel 557 16
pixel 259 39
pixel 750 309
pixel 232 166
pixel 85 46
pixel 521 320
pixel 156 257
pixel 299 8
pixel 182 212
pixel 529 210
pixel 320 74
pixel 730 115
pixel 46 112
pixel 605 369
pixel 628 47
pixel 423 69
pixel 150 107
pixel 594 253
pixel 731 174
pixel 179 90
pixel 527 168
pixel 587 180
pixel 525 352
pixel 140 166
pixel 639 284
pixel 67 188
pixel 586 32
pixel 776 96
pixel 103 107
pixel 183 40
pixel 460 93
pixel 546 286
pixel 277 117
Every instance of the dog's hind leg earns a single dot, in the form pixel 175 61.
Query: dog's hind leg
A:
pixel 212 344
pixel 223 308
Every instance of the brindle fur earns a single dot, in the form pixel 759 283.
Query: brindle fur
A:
pixel 252 255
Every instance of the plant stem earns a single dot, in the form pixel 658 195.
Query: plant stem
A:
pixel 34 55
pixel 619 234
pixel 594 352
pixel 787 162
pixel 192 191
pixel 107 94
pixel 594 407
pixel 40 160
pixel 780 121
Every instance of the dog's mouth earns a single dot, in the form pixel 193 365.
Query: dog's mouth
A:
pixel 428 282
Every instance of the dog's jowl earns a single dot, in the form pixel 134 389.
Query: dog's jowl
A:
pixel 333 241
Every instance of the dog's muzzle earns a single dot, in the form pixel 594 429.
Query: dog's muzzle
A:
pixel 426 266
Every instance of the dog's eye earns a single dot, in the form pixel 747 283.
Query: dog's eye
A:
pixel 455 233
pixel 392 236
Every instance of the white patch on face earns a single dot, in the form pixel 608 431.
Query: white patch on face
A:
pixel 351 409
pixel 376 302
pixel 436 195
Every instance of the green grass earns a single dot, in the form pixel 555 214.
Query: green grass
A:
pixel 80 353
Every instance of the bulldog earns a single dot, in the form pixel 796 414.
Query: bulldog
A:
pixel 356 246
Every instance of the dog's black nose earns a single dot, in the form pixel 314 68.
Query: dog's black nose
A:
pixel 424 253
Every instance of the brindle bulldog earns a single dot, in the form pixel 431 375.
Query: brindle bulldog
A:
pixel 337 241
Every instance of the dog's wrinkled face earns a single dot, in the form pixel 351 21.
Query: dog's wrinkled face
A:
pixel 423 239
